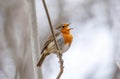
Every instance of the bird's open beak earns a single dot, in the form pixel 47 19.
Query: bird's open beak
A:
pixel 67 24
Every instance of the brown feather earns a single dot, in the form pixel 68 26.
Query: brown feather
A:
pixel 50 39
pixel 42 59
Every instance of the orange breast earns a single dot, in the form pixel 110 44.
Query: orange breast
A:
pixel 67 38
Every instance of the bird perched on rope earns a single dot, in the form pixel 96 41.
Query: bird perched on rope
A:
pixel 64 39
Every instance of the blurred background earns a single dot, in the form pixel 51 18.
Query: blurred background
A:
pixel 94 53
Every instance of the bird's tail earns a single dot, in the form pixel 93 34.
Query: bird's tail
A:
pixel 42 59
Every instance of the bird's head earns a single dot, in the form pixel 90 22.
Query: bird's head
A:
pixel 65 30
pixel 64 27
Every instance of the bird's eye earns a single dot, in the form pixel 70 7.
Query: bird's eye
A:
pixel 63 26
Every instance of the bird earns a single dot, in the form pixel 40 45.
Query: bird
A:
pixel 64 39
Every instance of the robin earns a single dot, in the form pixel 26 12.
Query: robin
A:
pixel 64 39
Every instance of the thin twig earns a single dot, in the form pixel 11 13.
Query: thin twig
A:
pixel 50 24
pixel 53 34
pixel 61 66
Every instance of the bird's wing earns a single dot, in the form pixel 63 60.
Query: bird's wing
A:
pixel 50 39
pixel 46 44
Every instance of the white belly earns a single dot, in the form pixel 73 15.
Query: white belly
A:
pixel 65 48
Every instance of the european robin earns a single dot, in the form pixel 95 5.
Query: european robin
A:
pixel 64 39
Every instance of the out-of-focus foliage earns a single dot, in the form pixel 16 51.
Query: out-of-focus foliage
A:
pixel 15 43
pixel 95 48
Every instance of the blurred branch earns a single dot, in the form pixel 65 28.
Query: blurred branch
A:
pixel 53 34
pixel 30 4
